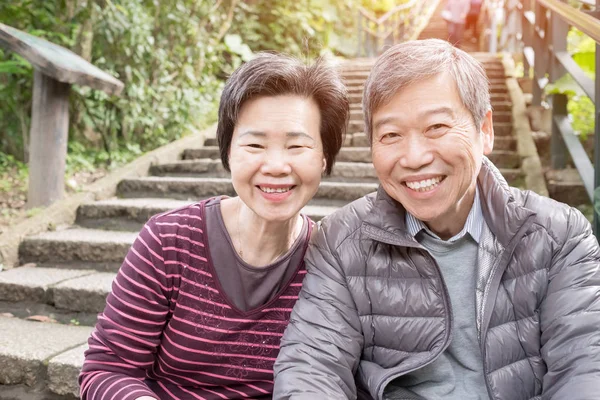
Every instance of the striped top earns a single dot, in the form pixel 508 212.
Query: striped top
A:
pixel 170 333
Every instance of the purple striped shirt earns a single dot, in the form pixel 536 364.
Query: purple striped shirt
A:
pixel 168 331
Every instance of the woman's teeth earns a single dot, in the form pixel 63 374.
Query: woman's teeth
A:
pixel 273 190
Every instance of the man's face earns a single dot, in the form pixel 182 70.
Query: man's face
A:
pixel 427 150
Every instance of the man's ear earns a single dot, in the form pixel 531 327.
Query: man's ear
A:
pixel 487 133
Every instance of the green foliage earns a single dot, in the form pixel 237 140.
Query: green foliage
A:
pixel 12 172
pixel 173 57
pixel 581 109
pixel 381 6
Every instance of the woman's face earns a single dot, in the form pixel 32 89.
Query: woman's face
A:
pixel 276 155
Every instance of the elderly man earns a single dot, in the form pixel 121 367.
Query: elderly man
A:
pixel 446 283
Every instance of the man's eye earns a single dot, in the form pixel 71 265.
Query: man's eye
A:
pixel 390 135
pixel 437 126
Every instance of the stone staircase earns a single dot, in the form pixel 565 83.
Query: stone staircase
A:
pixel 66 274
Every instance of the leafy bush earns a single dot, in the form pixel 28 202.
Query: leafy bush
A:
pixel 581 109
pixel 173 57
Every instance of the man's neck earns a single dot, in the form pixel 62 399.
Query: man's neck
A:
pixel 448 225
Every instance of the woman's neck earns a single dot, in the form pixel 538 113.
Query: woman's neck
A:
pixel 257 241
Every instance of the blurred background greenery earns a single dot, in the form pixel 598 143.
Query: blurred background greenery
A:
pixel 172 55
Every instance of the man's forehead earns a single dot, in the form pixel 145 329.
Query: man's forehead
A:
pixel 394 116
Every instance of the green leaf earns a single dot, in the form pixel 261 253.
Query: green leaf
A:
pixel 597 200
pixel 13 67
pixel 587 62
pixel 565 85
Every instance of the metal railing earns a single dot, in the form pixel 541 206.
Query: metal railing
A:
pixel 401 23
pixel 540 27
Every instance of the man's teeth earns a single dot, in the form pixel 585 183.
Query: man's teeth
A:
pixel 273 190
pixel 425 185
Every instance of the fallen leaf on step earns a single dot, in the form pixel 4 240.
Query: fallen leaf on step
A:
pixel 6 314
pixel 41 318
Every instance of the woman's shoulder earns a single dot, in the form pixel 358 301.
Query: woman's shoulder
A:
pixel 182 214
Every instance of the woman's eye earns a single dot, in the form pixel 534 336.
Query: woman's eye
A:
pixel 255 145
pixel 437 126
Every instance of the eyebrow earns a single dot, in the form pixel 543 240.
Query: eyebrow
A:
pixel 288 134
pixel 440 110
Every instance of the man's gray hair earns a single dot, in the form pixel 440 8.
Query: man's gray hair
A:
pixel 417 60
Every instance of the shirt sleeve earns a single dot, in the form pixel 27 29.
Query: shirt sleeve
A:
pixel 123 345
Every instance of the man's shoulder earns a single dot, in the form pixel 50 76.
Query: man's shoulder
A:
pixel 348 219
pixel 558 219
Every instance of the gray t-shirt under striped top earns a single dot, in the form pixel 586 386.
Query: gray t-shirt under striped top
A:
pixel 245 286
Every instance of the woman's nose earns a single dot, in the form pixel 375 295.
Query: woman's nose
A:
pixel 276 162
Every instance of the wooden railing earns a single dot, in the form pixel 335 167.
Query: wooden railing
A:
pixel 55 69
pixel 401 23
pixel 543 42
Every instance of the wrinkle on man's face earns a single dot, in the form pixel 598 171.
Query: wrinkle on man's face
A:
pixel 425 134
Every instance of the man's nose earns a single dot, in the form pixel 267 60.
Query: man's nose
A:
pixel 416 152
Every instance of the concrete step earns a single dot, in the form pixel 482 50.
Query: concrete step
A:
pixel 77 248
pixel 213 168
pixel 505 143
pixel 130 214
pixel 566 186
pixel 80 249
pixel 503 129
pixel 202 152
pixel 42 354
pixel 67 289
pixel 502 116
pixel 199 188
pixel 123 214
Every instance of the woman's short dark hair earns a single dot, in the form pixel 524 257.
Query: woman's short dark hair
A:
pixel 270 74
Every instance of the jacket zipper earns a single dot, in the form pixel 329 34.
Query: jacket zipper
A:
pixel 505 258
pixel 391 376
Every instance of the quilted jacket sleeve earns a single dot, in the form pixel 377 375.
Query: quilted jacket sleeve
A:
pixel 321 348
pixel 570 315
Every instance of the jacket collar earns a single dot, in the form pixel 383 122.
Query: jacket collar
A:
pixel 504 215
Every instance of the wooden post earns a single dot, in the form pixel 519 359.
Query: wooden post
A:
pixel 48 140
pixel 56 68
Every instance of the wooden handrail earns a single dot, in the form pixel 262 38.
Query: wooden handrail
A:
pixel 55 69
pixel 367 14
pixel 394 10
pixel 580 20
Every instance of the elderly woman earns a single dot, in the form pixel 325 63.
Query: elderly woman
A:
pixel 201 301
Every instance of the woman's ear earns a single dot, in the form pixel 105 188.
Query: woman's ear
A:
pixel 324 165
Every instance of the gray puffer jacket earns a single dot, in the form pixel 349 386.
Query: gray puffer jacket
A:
pixel 374 305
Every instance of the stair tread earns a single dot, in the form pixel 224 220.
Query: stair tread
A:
pixel 166 204
pixel 79 235
pixel 33 346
